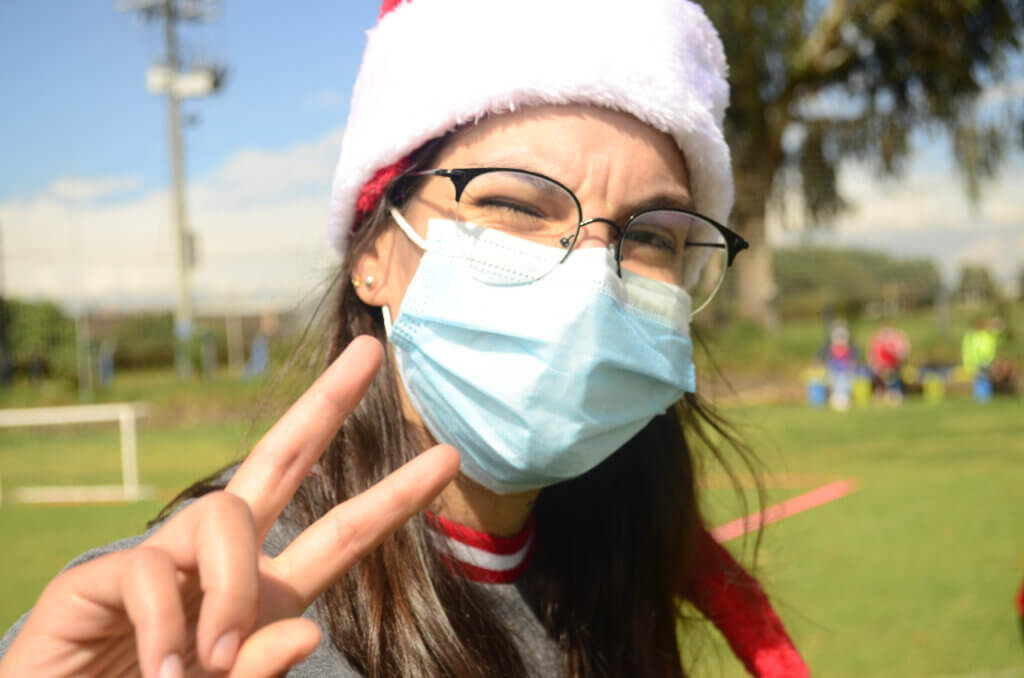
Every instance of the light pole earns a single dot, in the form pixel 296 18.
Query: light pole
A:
pixel 168 79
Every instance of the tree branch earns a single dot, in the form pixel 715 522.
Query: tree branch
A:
pixel 824 52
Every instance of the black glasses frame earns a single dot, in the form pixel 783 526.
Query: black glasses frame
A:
pixel 460 177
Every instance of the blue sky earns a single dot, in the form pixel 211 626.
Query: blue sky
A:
pixel 84 209
pixel 74 72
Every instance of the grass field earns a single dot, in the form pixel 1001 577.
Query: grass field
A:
pixel 915 573
pixel 912 575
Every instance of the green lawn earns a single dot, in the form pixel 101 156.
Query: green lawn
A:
pixel 46 537
pixel 912 575
pixel 915 573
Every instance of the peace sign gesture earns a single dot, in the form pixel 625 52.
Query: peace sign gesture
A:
pixel 198 596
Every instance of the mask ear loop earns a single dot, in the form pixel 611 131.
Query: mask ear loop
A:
pixel 417 240
pixel 409 231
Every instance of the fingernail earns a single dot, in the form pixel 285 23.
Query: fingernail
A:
pixel 224 650
pixel 172 667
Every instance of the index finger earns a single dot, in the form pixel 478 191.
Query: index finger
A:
pixel 329 547
pixel 283 457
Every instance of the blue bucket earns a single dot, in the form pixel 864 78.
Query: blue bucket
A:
pixel 982 388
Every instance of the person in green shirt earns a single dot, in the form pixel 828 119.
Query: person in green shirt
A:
pixel 979 347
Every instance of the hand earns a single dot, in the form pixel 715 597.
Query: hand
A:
pixel 198 596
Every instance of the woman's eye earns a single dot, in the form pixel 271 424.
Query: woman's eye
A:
pixel 511 205
pixel 651 238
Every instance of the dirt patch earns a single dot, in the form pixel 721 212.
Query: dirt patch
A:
pixel 750 389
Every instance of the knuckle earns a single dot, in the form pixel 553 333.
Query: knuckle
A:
pixel 226 504
pixel 151 576
pixel 347 532
pixel 147 561
pixel 238 602
pixel 278 458
pixel 331 395
pixel 398 497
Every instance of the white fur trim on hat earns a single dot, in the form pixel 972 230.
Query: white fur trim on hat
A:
pixel 433 65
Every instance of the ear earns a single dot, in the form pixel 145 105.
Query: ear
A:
pixel 371 270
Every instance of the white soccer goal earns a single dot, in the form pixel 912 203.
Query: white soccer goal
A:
pixel 125 414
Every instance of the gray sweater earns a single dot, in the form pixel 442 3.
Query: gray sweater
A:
pixel 539 652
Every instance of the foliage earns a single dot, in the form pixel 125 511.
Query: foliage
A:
pixel 41 339
pixel 976 284
pixel 815 82
pixel 745 352
pixel 811 279
pixel 143 340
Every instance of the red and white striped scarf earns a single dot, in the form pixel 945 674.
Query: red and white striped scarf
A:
pixel 482 557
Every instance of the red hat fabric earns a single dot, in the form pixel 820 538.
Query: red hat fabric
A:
pixel 431 66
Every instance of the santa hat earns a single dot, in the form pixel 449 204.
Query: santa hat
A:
pixel 431 66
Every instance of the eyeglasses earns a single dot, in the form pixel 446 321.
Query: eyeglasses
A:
pixel 672 245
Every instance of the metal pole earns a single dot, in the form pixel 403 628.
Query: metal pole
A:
pixel 129 454
pixel 83 344
pixel 183 312
pixel 236 347
pixel 1 260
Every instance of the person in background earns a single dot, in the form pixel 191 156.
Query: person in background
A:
pixel 526 196
pixel 887 353
pixel 841 360
pixel 978 349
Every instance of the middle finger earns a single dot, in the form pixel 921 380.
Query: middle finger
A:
pixel 282 459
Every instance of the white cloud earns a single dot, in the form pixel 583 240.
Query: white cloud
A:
pixel 260 223
pixel 326 100
pixel 926 213
pixel 263 176
pixel 78 188
pixel 259 220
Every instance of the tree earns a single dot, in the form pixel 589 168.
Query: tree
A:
pixel 976 284
pixel 812 278
pixel 41 338
pixel 841 79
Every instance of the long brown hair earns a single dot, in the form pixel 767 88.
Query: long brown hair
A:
pixel 614 552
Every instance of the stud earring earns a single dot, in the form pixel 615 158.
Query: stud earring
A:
pixel 368 282
pixel 355 282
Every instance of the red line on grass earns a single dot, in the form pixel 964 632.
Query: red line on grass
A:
pixel 790 507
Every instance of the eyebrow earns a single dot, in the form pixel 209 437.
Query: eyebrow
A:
pixel 662 201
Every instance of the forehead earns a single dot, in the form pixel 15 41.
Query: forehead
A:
pixel 578 145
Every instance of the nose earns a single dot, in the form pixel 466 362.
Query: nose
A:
pixel 598 232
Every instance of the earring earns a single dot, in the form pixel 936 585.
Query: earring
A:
pixel 368 282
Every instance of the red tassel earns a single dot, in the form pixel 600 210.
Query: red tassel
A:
pixel 388 5
pixel 373 190
pixel 736 604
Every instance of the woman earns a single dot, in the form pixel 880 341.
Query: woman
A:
pixel 520 212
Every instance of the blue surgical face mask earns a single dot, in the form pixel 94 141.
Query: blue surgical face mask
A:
pixel 539 382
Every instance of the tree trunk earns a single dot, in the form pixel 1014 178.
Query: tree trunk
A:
pixel 755 279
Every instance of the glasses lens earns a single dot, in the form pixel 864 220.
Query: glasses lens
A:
pixel 678 248
pixel 497 206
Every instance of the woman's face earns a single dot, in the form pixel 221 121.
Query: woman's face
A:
pixel 614 163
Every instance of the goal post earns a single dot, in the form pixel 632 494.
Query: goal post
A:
pixel 125 414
